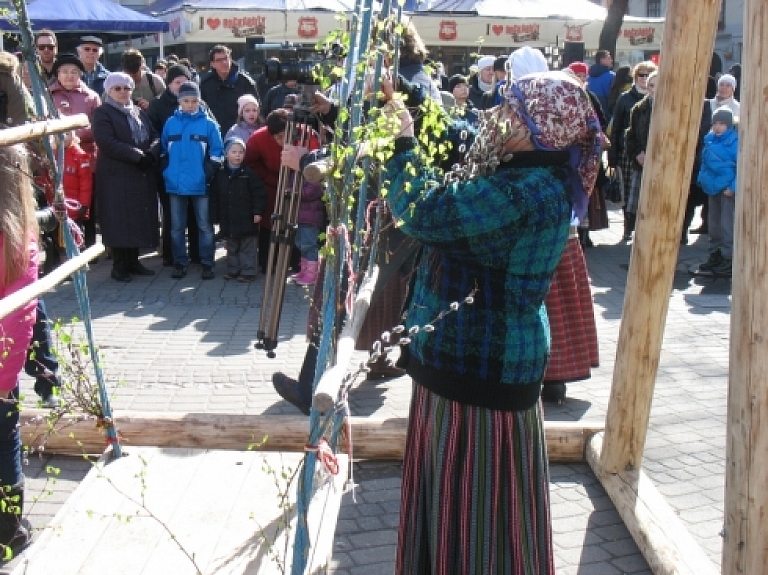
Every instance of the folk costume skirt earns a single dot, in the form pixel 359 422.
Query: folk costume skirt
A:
pixel 475 491
pixel 574 348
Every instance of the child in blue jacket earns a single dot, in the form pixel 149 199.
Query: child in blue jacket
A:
pixel 717 177
pixel 192 143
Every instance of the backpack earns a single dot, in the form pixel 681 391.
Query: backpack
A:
pixel 151 82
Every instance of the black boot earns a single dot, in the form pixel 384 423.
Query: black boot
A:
pixel 119 265
pixel 135 266
pixel 12 533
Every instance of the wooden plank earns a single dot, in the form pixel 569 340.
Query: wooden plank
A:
pixel 689 37
pixel 664 541
pixel 37 130
pixel 212 503
pixel 745 546
pixel 372 438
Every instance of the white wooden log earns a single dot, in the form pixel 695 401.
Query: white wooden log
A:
pixel 16 300
pixel 745 547
pixel 36 130
pixel 372 438
pixel 689 37
pixel 662 538
pixel 327 389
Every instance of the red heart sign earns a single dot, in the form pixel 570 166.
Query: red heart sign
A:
pixel 497 29
pixel 214 23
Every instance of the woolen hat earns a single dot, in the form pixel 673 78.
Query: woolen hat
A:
pixel 485 61
pixel 243 100
pixel 189 90
pixel 117 79
pixel 456 80
pixel 231 142
pixel 175 71
pixel 728 79
pixel 499 64
pixel 62 59
pixel 723 114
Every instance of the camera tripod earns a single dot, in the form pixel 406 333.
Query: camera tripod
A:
pixel 297 132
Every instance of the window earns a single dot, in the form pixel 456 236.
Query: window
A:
pixel 653 8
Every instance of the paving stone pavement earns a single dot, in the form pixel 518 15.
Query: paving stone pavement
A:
pixel 187 346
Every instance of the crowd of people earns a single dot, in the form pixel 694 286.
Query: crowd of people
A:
pixel 209 150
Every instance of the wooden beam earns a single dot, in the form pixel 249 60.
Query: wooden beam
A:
pixel 37 130
pixel 664 541
pixel 324 398
pixel 745 547
pixel 372 438
pixel 689 37
pixel 17 299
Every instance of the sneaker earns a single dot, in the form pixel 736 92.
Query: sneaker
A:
pixel 208 273
pixel 179 272
pixel 714 260
pixel 51 401
pixel 724 268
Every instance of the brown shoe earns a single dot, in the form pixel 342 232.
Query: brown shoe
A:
pixel 384 368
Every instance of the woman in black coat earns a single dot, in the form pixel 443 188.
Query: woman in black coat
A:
pixel 126 177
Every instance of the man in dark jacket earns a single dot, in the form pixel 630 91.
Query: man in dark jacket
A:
pixel 223 85
pixel 601 77
pixel 275 98
pixel 90 50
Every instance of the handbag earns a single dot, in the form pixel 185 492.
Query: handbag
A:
pixel 613 189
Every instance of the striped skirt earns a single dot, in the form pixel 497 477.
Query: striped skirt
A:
pixel 575 349
pixel 475 491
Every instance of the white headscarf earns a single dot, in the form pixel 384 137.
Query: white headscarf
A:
pixel 524 61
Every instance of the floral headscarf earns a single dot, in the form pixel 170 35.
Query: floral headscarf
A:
pixel 559 115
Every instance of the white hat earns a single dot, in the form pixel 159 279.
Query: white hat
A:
pixel 727 79
pixel 526 60
pixel 485 61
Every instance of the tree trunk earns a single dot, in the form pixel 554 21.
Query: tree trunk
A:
pixel 612 25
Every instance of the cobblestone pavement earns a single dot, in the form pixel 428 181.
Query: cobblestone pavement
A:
pixel 187 346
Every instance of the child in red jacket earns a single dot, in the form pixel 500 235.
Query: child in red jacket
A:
pixel 77 179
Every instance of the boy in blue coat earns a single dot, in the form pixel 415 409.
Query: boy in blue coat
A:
pixel 717 177
pixel 192 143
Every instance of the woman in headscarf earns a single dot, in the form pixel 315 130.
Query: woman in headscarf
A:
pixel 126 177
pixel 475 494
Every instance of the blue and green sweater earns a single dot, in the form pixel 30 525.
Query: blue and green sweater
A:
pixel 503 234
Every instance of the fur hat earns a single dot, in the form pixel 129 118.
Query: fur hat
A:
pixel 189 90
pixel 485 61
pixel 62 59
pixel 727 79
pixel 243 100
pixel 456 80
pixel 117 79
pixel 723 114
pixel 175 71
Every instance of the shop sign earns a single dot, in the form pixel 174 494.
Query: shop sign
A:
pixel 574 33
pixel 308 27
pixel 448 30
pixel 639 36
pixel 518 32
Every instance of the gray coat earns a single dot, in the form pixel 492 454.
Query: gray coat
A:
pixel 126 194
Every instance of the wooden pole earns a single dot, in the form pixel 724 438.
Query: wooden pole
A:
pixel 662 538
pixel 745 547
pixel 689 37
pixel 372 438
pixel 36 130
pixel 17 299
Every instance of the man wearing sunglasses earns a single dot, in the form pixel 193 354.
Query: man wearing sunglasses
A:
pixel 47 47
pixel 89 51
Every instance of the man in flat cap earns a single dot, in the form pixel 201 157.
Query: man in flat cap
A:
pixel 90 50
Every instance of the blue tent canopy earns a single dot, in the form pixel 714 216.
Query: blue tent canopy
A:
pixel 166 6
pixel 86 16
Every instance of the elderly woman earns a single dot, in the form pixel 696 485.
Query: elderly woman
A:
pixel 71 96
pixel 126 177
pixel 475 496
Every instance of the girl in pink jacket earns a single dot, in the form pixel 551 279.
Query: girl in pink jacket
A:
pixel 18 268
